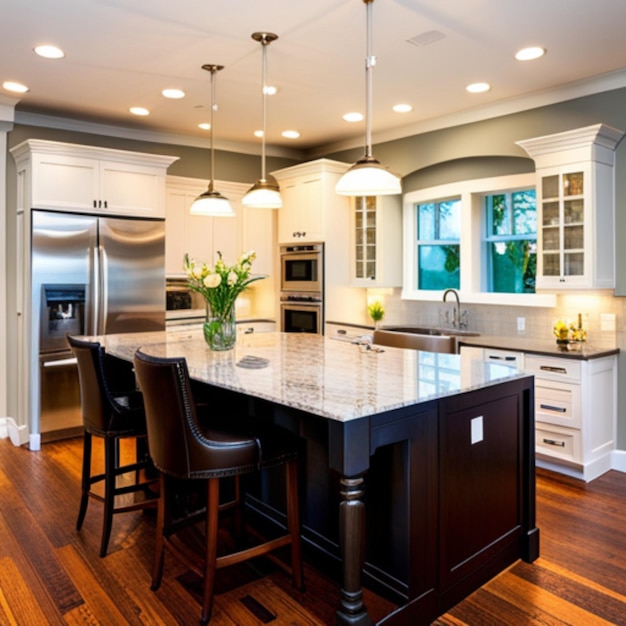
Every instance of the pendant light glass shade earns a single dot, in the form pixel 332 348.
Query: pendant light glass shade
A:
pixel 211 202
pixel 265 193
pixel 367 177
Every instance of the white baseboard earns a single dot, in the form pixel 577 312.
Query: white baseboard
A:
pixel 17 434
pixel 618 460
pixel 4 431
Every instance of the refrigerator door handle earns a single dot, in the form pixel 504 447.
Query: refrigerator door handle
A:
pixel 92 304
pixel 103 304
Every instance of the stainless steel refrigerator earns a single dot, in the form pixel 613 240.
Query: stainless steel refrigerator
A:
pixel 90 275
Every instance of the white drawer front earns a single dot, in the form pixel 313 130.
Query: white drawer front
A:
pixel 560 443
pixel 552 367
pixel 557 403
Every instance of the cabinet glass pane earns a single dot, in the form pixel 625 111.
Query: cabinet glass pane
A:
pixel 365 237
pixel 550 186
pixel 573 184
pixel 574 264
pixel 573 211
pixel 550 239
pixel 551 265
pixel 550 214
pixel 573 238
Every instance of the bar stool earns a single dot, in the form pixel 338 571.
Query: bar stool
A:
pixel 185 449
pixel 111 415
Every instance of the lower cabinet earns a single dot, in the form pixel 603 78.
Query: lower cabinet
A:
pixel 575 410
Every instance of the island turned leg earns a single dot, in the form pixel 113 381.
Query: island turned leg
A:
pixel 352 543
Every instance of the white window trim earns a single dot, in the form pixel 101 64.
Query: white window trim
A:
pixel 471 193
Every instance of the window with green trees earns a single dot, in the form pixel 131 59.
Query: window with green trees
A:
pixel 438 244
pixel 511 241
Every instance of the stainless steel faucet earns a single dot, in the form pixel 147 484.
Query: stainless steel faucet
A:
pixel 456 317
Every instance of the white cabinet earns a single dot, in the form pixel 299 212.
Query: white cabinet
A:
pixel 310 203
pixel 377 241
pixel 69 177
pixel 575 207
pixel 575 413
pixel 202 237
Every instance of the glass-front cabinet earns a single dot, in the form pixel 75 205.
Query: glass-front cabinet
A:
pixel 563 225
pixel 377 237
pixel 576 206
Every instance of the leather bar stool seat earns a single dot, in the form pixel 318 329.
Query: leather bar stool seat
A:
pixel 185 447
pixel 111 413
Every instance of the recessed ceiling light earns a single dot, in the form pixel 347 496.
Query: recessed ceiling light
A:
pixel 270 90
pixel 258 133
pixel 139 111
pixel 290 134
pixel 478 87
pixel 10 85
pixel 530 54
pixel 353 117
pixel 204 126
pixel 175 94
pixel 402 108
pixel 49 52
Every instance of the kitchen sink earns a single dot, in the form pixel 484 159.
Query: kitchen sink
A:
pixel 427 338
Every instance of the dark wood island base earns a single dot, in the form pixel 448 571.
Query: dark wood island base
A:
pixel 421 490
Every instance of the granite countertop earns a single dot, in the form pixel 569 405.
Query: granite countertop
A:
pixel 334 379
pixel 545 347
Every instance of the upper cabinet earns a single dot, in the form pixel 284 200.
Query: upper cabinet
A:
pixel 202 237
pixel 70 177
pixel 311 207
pixel 377 236
pixel 575 207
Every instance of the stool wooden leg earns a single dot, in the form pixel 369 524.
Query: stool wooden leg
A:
pixel 85 481
pixel 159 544
pixel 212 509
pixel 111 456
pixel 293 523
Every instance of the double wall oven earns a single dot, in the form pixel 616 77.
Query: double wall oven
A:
pixel 302 288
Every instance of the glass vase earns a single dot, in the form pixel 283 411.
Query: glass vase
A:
pixel 220 331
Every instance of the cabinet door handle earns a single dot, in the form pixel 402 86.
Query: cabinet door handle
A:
pixel 554 442
pixel 502 358
pixel 551 368
pixel 550 407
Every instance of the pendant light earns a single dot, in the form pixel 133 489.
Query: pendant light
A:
pixel 367 177
pixel 212 202
pixel 265 193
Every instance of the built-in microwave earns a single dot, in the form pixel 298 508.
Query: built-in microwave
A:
pixel 302 267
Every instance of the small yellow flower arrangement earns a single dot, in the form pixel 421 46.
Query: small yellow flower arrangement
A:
pixel 561 330
pixel 376 311
pixel 566 331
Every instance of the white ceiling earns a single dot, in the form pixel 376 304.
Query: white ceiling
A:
pixel 121 53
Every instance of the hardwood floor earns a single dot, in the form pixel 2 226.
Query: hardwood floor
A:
pixel 51 574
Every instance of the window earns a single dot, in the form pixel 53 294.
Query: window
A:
pixel 511 241
pixel 477 236
pixel 438 244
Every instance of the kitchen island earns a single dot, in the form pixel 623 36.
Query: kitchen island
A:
pixel 418 467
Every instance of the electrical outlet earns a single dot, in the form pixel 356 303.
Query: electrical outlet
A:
pixel 521 324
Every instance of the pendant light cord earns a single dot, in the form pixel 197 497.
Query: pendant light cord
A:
pixel 265 43
pixel 370 62
pixel 213 70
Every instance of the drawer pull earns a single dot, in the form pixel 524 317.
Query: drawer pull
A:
pixel 554 442
pixel 550 368
pixel 502 358
pixel 549 407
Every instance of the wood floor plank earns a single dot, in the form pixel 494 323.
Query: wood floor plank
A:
pixel 19 604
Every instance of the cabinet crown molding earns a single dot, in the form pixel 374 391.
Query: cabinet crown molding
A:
pixel 43 146
pixel 597 135
pixel 311 167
